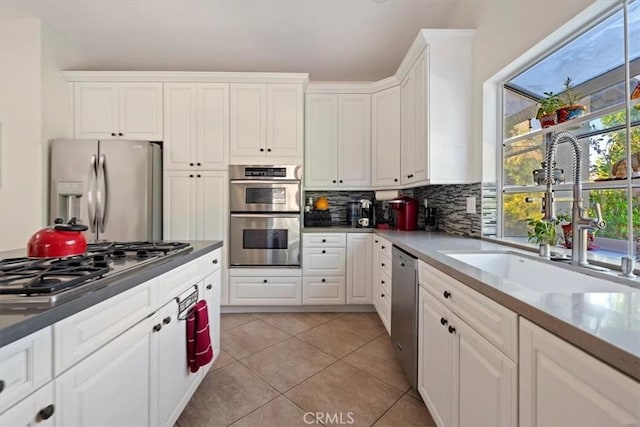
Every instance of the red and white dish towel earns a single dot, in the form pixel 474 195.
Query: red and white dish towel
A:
pixel 199 351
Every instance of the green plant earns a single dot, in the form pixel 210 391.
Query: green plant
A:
pixel 542 232
pixel 549 104
pixel 569 96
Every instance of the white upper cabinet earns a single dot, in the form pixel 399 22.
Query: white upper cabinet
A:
pixel 196 128
pixel 385 138
pixel 106 110
pixel 338 141
pixel 436 112
pixel 266 121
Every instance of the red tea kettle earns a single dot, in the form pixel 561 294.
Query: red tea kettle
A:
pixel 59 240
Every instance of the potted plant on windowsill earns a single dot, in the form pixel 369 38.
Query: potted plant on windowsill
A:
pixel 570 108
pixel 547 109
pixel 544 234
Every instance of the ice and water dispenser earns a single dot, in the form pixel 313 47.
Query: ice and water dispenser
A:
pixel 69 199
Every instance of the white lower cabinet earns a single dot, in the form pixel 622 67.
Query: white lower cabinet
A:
pixel 267 290
pixel 561 385
pixel 37 409
pixel 462 377
pixel 111 387
pixel 212 292
pixel 381 280
pixel 323 268
pixel 359 266
pixel 323 290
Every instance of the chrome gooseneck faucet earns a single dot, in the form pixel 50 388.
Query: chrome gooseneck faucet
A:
pixel 580 224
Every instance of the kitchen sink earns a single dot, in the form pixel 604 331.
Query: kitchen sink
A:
pixel 537 275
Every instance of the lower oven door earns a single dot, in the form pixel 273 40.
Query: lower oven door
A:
pixel 265 240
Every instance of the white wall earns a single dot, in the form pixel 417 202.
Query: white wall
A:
pixel 505 30
pixel 20 146
pixel 35 107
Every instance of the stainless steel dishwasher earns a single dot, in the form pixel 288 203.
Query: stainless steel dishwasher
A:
pixel 404 312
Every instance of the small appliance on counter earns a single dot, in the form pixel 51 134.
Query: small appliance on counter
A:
pixel 317 218
pixel 405 213
pixel 360 213
pixel 430 217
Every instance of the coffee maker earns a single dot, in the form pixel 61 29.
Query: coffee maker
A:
pixel 360 213
pixel 405 213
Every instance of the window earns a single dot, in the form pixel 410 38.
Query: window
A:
pixel 594 62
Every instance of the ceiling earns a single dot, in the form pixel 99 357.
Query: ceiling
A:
pixel 332 40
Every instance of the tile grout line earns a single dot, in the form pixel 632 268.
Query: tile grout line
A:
pixel 252 411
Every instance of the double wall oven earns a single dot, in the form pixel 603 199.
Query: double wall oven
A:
pixel 265 215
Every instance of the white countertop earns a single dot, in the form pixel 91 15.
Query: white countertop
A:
pixel 606 325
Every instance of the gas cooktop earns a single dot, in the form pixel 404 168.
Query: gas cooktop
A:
pixel 50 280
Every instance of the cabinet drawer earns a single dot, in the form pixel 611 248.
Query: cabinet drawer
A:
pixel 210 262
pixel 385 311
pixel 384 247
pixel 177 280
pixel 25 365
pixel 323 290
pixel 26 412
pixel 385 282
pixel 265 291
pixel 324 262
pixel 384 264
pixel 324 240
pixel 496 323
pixel 81 334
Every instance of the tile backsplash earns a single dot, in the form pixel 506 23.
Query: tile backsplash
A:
pixel 450 201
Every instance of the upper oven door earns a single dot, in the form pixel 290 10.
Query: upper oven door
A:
pixel 264 196
pixel 264 240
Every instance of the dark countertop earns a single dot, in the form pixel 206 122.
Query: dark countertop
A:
pixel 18 321
pixel 605 325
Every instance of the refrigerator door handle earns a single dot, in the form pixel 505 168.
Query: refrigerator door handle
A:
pixel 91 194
pixel 101 195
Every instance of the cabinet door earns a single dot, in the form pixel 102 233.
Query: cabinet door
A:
pixel 248 119
pixel 323 290
pixel 180 126
pixel 213 125
pixel 385 138
pixel 212 189
pixel 321 141
pixel 31 410
pixel 562 385
pixel 487 381
pixel 434 358
pixel 375 273
pixel 323 262
pixel 179 222
pixel 140 111
pixel 359 266
pixel 265 291
pixel 112 386
pixel 407 129
pixel 420 152
pixel 354 140
pixel 96 110
pixel 212 292
pixel 284 120
pixel 175 381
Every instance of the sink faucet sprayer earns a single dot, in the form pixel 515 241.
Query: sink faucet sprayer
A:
pixel 580 224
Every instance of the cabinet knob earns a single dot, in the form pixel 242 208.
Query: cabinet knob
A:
pixel 262 149
pixel 382 264
pixel 402 264
pixel 381 295
pixel 113 134
pixel 269 150
pixel 199 176
pixel 340 181
pixel 395 179
pixel 452 330
pixel 382 281
pixel 199 164
pixel 324 240
pixel 46 413
pixel 191 175
pixel 166 320
pixel 215 261
pixel 190 164
pixel 1 385
pixel 156 328
pixel 446 294
pixel 323 280
pixel 334 181
pixel 376 241
pixel 324 252
pixel 120 134
pixel 209 286
pixel 443 321
pixel 264 281
pixel 382 247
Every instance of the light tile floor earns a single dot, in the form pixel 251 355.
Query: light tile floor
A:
pixel 279 369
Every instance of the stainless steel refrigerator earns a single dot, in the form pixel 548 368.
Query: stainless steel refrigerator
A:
pixel 113 187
